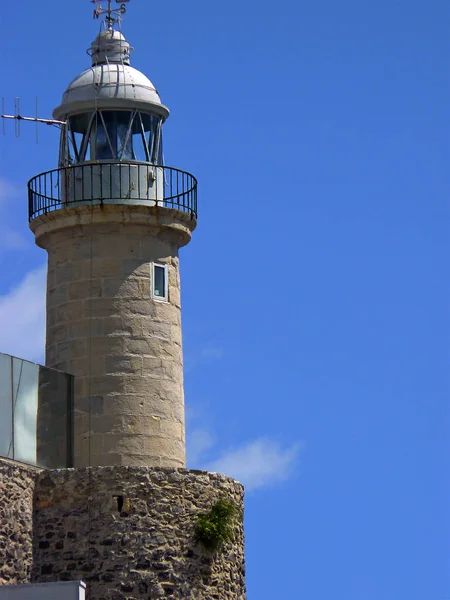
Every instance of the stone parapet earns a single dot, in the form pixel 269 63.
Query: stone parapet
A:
pixel 129 533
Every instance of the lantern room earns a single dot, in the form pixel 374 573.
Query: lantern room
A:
pixel 112 111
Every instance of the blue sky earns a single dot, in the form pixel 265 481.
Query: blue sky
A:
pixel 316 288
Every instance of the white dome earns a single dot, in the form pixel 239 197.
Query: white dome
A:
pixel 110 83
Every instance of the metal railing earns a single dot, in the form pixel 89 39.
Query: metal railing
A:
pixel 112 183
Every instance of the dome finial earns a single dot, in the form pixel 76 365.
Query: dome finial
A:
pixel 113 15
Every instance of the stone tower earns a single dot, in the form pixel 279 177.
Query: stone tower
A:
pixel 112 219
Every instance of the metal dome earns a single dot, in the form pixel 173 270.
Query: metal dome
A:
pixel 111 83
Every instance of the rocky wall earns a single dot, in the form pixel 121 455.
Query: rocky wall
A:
pixel 129 533
pixel 16 512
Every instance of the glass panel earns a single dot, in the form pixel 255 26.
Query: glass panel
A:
pixel 152 125
pixel 122 135
pixel 78 136
pixel 25 390
pixel 159 281
pixel 103 147
pixel 6 447
pixel 80 123
pixel 140 148
pixel 53 432
pixel 36 413
pixel 124 144
pixel 77 141
pixel 112 135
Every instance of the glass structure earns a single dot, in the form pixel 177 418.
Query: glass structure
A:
pixel 112 135
pixel 36 407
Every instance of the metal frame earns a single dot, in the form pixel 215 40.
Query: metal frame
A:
pixel 164 298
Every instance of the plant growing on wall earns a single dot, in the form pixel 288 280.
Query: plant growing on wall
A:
pixel 216 526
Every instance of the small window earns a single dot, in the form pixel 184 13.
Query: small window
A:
pixel 160 282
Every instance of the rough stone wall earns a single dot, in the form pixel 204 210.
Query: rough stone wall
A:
pixel 123 346
pixel 135 539
pixel 16 512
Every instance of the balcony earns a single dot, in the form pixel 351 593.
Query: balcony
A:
pixel 36 407
pixel 99 183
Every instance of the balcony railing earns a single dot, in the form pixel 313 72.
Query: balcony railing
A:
pixel 99 183
pixel 36 425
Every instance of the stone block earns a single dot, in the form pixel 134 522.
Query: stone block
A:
pixel 106 385
pixel 80 386
pixel 142 425
pixel 81 366
pixel 106 267
pixel 71 311
pixel 87 288
pixel 72 349
pixel 64 274
pixel 134 307
pixel 139 267
pixel 163 368
pixel 82 270
pixel 121 444
pixel 163 388
pixel 123 364
pixel 107 345
pixel 130 288
pixel 114 325
pixel 107 423
pixel 98 308
pixel 92 405
pixel 85 328
pixel 109 459
pixel 165 312
pixel 122 245
pixel 51 317
pixel 58 333
pixel 172 429
pixel 57 295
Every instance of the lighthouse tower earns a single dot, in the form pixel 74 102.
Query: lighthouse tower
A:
pixel 128 518
pixel 112 219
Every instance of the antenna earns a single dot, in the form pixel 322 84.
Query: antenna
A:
pixel 17 118
pixel 113 15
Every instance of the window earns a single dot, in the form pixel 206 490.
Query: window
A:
pixel 159 282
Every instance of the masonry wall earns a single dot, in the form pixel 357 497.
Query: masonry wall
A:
pixel 123 346
pixel 16 512
pixel 135 539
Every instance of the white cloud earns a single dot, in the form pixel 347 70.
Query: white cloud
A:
pixel 211 351
pixel 22 317
pixel 198 443
pixel 11 238
pixel 203 354
pixel 7 189
pixel 257 463
pixel 260 463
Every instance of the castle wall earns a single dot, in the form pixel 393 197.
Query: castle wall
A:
pixel 16 512
pixel 135 538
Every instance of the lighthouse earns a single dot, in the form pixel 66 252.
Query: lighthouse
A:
pixel 122 515
pixel 112 219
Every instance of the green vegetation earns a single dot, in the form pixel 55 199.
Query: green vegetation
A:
pixel 216 526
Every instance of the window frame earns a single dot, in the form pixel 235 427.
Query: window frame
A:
pixel 164 298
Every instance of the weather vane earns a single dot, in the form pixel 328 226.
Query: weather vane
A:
pixel 113 15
